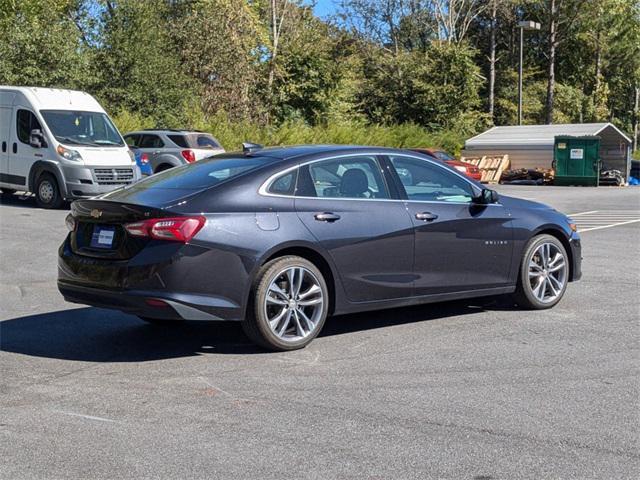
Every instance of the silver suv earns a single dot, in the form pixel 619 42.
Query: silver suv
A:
pixel 169 148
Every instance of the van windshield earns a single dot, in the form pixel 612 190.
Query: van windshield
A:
pixel 82 128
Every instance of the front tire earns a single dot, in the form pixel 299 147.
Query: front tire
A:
pixel 289 304
pixel 544 273
pixel 48 191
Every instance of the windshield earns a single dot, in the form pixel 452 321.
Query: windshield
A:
pixel 93 129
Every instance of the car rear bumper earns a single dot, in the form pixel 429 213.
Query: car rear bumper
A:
pixel 163 281
pixel 153 304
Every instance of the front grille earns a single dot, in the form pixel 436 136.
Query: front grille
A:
pixel 113 176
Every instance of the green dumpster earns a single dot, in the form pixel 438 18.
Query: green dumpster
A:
pixel 577 160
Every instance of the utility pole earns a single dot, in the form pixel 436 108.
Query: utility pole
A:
pixel 523 25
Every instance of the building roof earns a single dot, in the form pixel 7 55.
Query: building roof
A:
pixel 537 135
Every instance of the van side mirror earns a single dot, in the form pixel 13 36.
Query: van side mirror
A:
pixel 36 139
pixel 486 197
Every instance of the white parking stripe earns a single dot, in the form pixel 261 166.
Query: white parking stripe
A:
pixel 600 219
pixel 608 226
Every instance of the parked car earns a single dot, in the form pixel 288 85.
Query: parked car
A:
pixel 280 238
pixel 469 170
pixel 60 145
pixel 172 148
pixel 142 160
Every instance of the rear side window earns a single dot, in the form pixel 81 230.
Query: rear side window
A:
pixel 151 141
pixel 206 141
pixel 285 184
pixel 203 174
pixel 179 140
pixel 26 121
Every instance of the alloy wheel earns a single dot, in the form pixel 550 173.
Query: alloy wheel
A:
pixel 547 272
pixel 294 304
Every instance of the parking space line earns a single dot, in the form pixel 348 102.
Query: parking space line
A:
pixel 601 219
pixel 582 213
pixel 609 226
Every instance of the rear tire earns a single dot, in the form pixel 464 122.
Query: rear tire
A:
pixel 289 304
pixel 48 191
pixel 544 273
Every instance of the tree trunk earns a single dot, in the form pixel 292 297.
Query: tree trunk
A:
pixel 492 58
pixel 551 79
pixel 274 44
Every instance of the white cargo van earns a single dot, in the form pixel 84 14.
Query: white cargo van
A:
pixel 60 145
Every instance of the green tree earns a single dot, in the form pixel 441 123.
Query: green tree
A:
pixel 137 62
pixel 40 45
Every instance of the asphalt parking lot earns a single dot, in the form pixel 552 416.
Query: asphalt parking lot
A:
pixel 463 390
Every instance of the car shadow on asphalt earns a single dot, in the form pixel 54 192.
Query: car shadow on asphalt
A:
pixel 98 335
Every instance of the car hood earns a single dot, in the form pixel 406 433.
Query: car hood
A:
pixel 513 202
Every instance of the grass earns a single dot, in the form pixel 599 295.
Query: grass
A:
pixel 232 134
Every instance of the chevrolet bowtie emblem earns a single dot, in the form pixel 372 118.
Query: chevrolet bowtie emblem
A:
pixel 96 213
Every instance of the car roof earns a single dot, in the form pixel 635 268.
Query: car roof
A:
pixel 295 151
pixel 164 130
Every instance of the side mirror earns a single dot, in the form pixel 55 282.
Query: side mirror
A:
pixel 36 139
pixel 487 196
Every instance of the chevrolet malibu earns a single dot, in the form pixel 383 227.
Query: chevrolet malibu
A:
pixel 280 238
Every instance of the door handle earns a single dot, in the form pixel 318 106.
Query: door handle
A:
pixel 4 147
pixel 15 147
pixel 326 217
pixel 426 216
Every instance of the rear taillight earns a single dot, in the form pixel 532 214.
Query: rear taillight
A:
pixel 144 158
pixel 188 155
pixel 70 222
pixel 178 229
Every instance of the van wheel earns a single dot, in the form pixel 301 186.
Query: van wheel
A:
pixel 7 191
pixel 48 192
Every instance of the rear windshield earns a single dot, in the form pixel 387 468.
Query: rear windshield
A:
pixel 195 140
pixel 202 174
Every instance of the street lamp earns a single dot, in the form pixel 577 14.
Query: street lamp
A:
pixel 523 25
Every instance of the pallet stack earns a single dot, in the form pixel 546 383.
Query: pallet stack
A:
pixel 491 167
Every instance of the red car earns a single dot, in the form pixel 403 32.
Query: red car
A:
pixel 469 170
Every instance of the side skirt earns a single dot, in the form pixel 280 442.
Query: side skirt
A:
pixel 423 299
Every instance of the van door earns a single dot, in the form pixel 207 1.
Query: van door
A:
pixel 22 155
pixel 5 138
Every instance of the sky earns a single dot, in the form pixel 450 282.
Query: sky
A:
pixel 325 7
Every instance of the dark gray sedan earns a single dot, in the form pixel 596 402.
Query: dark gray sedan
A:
pixel 280 238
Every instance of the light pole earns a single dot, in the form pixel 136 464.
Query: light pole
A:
pixel 523 25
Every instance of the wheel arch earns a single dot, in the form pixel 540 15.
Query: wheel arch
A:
pixel 314 256
pixel 562 237
pixel 166 161
pixel 42 166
